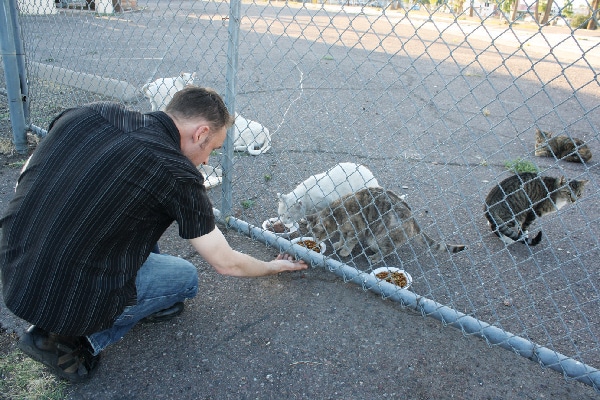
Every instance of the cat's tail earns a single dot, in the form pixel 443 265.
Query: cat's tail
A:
pixel 252 150
pixel 265 147
pixel 146 90
pixel 440 247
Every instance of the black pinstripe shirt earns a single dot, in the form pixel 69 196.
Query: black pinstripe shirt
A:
pixel 99 191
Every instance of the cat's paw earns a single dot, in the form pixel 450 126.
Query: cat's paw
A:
pixel 338 245
pixel 344 252
pixel 375 258
pixel 506 240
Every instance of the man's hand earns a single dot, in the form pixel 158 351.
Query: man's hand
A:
pixel 287 262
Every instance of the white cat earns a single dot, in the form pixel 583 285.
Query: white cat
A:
pixel 251 136
pixel 318 191
pixel 161 91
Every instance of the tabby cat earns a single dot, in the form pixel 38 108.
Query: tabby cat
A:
pixel 513 205
pixel 561 147
pixel 377 218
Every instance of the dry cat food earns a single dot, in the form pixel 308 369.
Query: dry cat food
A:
pixel 277 227
pixel 396 278
pixel 310 244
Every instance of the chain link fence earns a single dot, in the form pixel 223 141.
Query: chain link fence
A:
pixel 440 101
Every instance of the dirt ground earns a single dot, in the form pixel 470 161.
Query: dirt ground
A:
pixel 297 335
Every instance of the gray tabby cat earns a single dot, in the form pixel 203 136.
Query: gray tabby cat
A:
pixel 513 205
pixel 561 147
pixel 377 218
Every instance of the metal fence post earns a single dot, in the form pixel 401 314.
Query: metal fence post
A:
pixel 10 40
pixel 230 78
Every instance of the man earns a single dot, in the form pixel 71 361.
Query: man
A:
pixel 76 253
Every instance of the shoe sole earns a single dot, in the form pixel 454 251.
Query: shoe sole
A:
pixel 175 310
pixel 49 359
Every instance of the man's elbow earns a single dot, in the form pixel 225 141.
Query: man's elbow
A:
pixel 226 268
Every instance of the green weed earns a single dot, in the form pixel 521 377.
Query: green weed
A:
pixel 247 203
pixel 519 165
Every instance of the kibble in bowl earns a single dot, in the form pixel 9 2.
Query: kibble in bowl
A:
pixel 310 243
pixel 395 276
pixel 279 228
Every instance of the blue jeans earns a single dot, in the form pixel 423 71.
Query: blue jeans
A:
pixel 162 281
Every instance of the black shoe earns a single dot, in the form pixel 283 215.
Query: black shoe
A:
pixel 69 357
pixel 166 314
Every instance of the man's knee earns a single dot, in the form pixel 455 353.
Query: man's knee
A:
pixel 191 273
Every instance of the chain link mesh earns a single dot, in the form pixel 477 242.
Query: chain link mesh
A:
pixel 437 100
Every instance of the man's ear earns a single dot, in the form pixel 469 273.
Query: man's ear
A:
pixel 201 133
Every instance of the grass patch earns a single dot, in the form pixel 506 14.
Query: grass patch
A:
pixel 247 203
pixel 21 378
pixel 6 146
pixel 519 165
pixel 17 164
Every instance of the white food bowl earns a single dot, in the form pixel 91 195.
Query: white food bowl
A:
pixel 291 228
pixel 322 246
pixel 393 269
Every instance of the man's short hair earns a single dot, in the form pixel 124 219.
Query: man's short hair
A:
pixel 197 102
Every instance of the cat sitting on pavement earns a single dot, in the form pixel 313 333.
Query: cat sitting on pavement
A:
pixel 513 204
pixel 161 91
pixel 562 147
pixel 250 136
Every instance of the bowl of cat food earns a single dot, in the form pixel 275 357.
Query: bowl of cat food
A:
pixel 395 276
pixel 310 243
pixel 277 227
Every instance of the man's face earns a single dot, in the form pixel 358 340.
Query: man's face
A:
pixel 202 144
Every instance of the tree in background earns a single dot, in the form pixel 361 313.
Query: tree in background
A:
pixel 456 6
pixel 547 8
pixel 515 5
pixel 592 24
pixel 567 11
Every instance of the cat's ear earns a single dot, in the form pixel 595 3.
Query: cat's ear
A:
pixel 542 134
pixel 279 196
pixel 562 181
